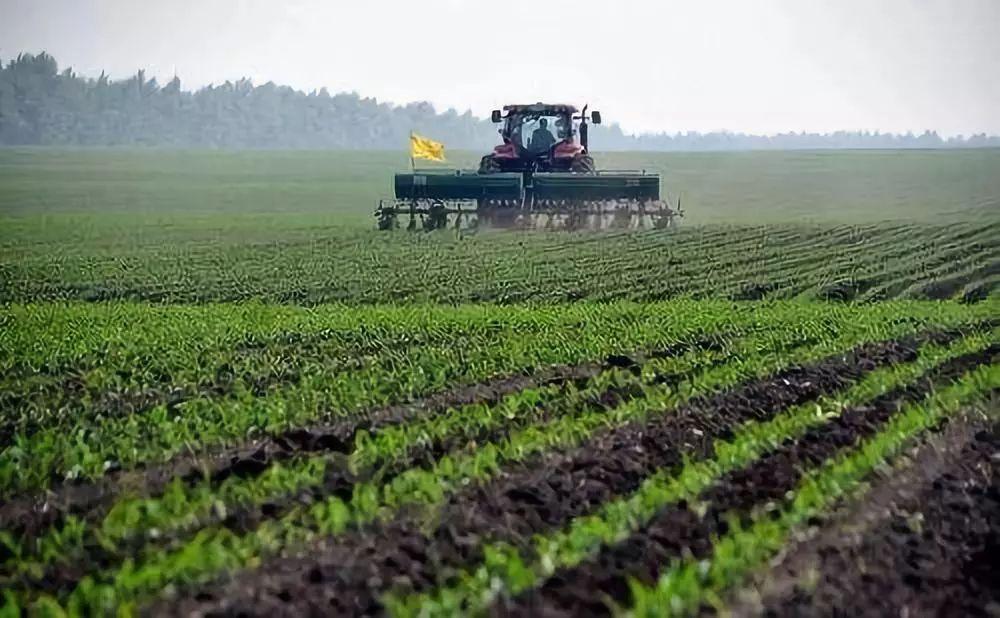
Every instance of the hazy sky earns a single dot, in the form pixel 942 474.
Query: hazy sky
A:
pixel 760 66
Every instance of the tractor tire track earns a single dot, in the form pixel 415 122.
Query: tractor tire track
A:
pixel 347 575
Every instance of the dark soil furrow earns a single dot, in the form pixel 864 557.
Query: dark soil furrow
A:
pixel 346 575
pixel 340 480
pixel 802 267
pixel 869 283
pixel 929 547
pixel 28 515
pixel 885 275
pixel 948 286
pixel 649 283
pixel 592 587
pixel 978 291
pixel 909 276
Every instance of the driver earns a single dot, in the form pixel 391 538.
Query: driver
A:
pixel 541 138
pixel 562 128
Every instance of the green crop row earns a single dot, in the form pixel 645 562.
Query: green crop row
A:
pixel 506 570
pixel 686 585
pixel 180 508
pixel 187 509
pixel 527 338
pixel 886 257
pixel 141 344
pixel 488 343
pixel 214 549
pixel 359 268
pixel 132 379
pixel 183 507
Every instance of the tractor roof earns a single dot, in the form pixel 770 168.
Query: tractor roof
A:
pixel 557 108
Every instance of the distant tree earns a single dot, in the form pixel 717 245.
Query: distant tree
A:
pixel 40 105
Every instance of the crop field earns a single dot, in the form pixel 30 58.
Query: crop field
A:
pixel 297 227
pixel 223 393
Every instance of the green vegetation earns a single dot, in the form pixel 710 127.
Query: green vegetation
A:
pixel 506 570
pixel 686 585
pixel 297 227
pixel 214 372
pixel 92 440
pixel 190 545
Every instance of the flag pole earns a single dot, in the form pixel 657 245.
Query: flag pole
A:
pixel 413 167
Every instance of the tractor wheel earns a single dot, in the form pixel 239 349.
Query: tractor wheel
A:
pixel 437 217
pixel 387 219
pixel 582 164
pixel 489 165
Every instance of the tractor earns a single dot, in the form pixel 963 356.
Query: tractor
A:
pixel 541 175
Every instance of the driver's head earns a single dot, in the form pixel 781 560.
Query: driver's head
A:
pixel 543 123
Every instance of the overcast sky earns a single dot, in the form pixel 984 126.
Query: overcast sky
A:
pixel 760 66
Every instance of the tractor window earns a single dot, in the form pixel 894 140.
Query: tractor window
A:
pixel 539 133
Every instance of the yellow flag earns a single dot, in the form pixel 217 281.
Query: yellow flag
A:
pixel 423 148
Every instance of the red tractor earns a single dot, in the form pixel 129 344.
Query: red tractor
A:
pixel 541 175
pixel 541 138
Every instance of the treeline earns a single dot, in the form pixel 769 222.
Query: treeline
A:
pixel 41 105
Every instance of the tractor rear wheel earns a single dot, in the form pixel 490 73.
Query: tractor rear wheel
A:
pixel 582 164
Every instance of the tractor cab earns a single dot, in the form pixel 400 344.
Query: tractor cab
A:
pixel 541 137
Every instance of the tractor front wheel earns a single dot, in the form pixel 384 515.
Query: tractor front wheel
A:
pixel 582 164
pixel 489 165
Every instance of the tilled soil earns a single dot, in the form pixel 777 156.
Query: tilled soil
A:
pixel 30 514
pixel 948 287
pixel 926 543
pixel 346 575
pixel 337 438
pixel 339 480
pixel 595 585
